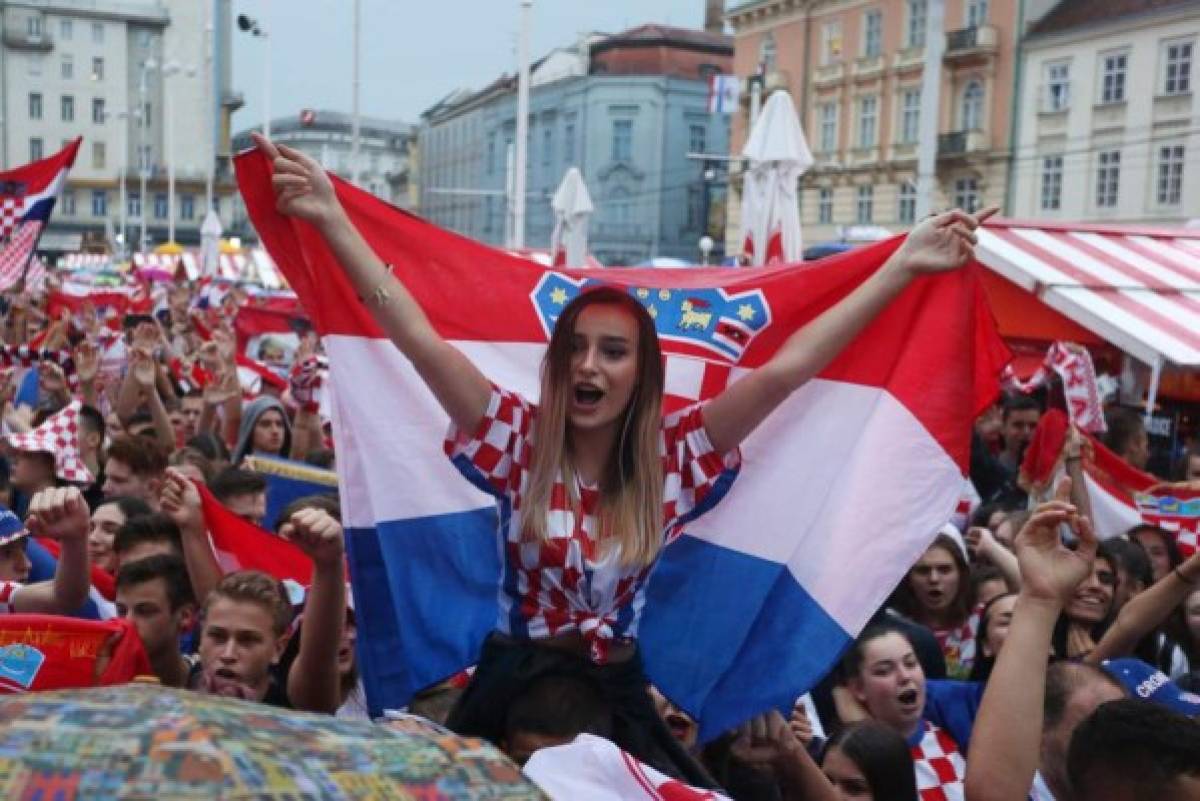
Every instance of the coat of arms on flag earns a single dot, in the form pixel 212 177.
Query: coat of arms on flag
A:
pixel 27 196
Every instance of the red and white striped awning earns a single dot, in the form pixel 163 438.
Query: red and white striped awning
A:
pixel 1138 288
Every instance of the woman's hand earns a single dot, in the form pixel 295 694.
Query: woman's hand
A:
pixel 1050 571
pixel 302 188
pixel 941 242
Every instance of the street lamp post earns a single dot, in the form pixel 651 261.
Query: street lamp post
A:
pixel 123 167
pixel 143 161
pixel 254 28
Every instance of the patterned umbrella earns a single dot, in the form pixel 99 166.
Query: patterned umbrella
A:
pixel 140 741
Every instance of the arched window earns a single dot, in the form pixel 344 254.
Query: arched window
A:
pixel 767 54
pixel 972 107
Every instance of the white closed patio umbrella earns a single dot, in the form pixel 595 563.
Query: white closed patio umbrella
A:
pixel 210 244
pixel 572 207
pixel 777 155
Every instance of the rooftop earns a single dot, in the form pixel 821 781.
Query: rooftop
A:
pixel 1070 14
pixel 655 35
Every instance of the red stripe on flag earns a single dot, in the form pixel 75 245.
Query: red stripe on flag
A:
pixel 251 547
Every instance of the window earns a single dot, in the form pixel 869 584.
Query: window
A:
pixel 133 204
pixel 35 105
pixel 547 146
pixel 98 115
pixel 68 202
pixel 569 143
pixel 972 107
pixel 866 121
pixel 622 140
pixel 97 69
pixel 831 42
pixel 99 155
pixel 1170 175
pixel 35 64
pixel 187 207
pixel 160 206
pixel 829 121
pixel 915 32
pixel 872 33
pixel 865 207
pixel 1052 175
pixel 908 203
pixel 491 154
pixel 99 203
pixel 98 33
pixel 695 208
pixel 1058 86
pixel 977 13
pixel 1108 178
pixel 622 208
pixel 910 116
pixel 67 67
pixel 67 107
pixel 767 55
pixel 36 148
pixel 825 205
pixel 966 194
pixel 697 139
pixel 146 114
pixel 1112 81
pixel 33 26
pixel 65 29
pixel 1178 79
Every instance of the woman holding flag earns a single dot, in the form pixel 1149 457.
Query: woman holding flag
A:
pixel 592 481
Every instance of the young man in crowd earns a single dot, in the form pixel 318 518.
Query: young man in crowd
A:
pixel 154 534
pixel 135 467
pixel 995 477
pixel 242 492
pixel 154 594
pixel 246 620
pixel 1127 437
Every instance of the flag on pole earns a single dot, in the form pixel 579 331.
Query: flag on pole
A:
pixel 723 91
pixel 840 491
pixel 27 195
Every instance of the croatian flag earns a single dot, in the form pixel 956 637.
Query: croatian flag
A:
pixel 840 490
pixel 27 196
pixel 1121 496
pixel 723 91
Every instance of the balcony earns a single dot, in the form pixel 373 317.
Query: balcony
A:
pixel 829 74
pixel 971 44
pixel 22 40
pixel 957 144
pixel 910 59
pixel 866 69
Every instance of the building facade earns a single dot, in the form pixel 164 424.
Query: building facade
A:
pixel 630 111
pixel 144 85
pixel 327 136
pixel 1108 117
pixel 854 69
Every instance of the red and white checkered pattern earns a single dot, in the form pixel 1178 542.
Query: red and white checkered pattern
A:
pixel 12 209
pixel 939 765
pixel 959 645
pixel 15 253
pixel 565 584
pixel 7 590
pixel 59 435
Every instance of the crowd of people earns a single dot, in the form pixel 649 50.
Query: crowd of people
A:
pixel 1018 658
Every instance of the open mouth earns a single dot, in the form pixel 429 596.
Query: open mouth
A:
pixel 587 395
pixel 225 673
pixel 908 698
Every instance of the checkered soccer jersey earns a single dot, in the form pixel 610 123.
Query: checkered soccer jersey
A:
pixel 567 583
pixel 7 590
pixel 960 645
pixel 939 765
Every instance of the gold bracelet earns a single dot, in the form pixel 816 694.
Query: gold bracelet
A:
pixel 380 294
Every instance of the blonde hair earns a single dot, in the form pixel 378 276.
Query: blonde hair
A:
pixel 630 513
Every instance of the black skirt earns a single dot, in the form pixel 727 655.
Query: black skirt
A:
pixel 508 666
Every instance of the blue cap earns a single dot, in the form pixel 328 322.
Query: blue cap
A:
pixel 1148 683
pixel 11 527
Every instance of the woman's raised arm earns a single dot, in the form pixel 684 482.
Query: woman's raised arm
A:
pixel 303 190
pixel 940 243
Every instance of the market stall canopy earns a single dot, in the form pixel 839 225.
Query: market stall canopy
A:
pixel 1136 287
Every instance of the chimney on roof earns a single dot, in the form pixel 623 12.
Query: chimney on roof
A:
pixel 714 16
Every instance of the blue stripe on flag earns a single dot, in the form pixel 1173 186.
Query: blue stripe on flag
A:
pixel 685 621
pixel 438 574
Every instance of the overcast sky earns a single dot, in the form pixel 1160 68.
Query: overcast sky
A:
pixel 414 52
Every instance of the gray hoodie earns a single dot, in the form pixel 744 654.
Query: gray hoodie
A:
pixel 254 410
